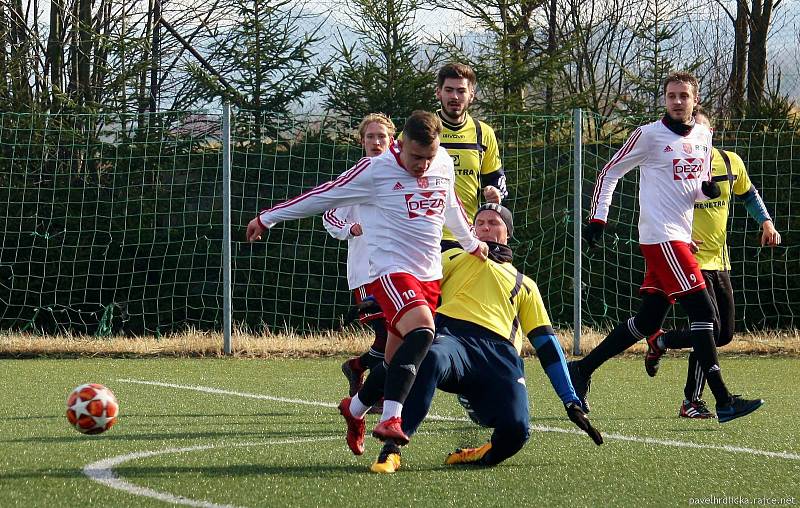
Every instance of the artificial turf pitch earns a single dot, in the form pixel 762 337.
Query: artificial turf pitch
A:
pixel 249 449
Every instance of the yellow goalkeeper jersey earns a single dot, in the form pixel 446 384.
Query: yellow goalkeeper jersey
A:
pixel 477 163
pixel 711 217
pixel 493 295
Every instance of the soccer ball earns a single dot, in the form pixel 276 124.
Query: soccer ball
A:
pixel 92 408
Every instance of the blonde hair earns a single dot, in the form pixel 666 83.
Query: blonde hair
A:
pixel 378 118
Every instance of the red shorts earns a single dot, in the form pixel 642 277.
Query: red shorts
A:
pixel 397 293
pixel 671 269
pixel 361 293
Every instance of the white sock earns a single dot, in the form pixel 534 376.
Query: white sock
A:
pixel 391 408
pixel 357 408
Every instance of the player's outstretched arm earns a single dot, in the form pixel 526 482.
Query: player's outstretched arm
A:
pixel 633 153
pixel 352 187
pixel 555 366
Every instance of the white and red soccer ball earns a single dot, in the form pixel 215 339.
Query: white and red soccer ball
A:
pixel 92 408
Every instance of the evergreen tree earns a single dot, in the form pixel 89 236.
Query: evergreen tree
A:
pixel 387 68
pixel 268 58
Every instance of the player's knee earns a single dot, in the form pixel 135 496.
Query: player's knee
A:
pixel 645 325
pixel 434 363
pixel 515 430
pixel 698 307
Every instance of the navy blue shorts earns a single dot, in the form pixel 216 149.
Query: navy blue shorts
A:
pixel 468 359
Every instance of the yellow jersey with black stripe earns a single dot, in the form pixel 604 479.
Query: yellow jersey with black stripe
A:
pixel 493 295
pixel 477 162
pixel 710 224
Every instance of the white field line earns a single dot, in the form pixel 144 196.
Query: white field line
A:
pixel 538 428
pixel 102 470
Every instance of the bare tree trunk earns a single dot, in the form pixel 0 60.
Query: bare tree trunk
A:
pixel 155 59
pixel 739 64
pixel 103 30
pixel 4 85
pixel 143 102
pixel 19 43
pixel 72 86
pixel 258 78
pixel 85 52
pixel 552 26
pixel 760 19
pixel 41 88
pixel 55 54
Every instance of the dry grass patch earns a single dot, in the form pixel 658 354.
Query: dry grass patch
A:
pixel 292 345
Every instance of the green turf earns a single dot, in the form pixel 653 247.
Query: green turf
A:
pixel 41 457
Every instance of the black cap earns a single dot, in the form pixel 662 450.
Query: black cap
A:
pixel 502 211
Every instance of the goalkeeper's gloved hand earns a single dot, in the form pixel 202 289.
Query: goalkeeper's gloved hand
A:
pixel 593 232
pixel 711 189
pixel 578 417
pixel 368 305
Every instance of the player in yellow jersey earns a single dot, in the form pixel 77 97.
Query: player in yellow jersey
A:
pixel 471 143
pixel 709 233
pixel 487 309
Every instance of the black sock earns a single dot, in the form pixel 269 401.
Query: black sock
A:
pixel 405 363
pixel 690 390
pixel 705 350
pixel 700 309
pixel 369 360
pixel 372 391
pixel 620 339
pixel 677 339
pixel 389 446
pixel 375 354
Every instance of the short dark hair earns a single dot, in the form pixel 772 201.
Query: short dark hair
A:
pixel 683 77
pixel 456 70
pixel 422 127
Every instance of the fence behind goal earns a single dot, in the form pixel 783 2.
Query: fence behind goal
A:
pixel 113 224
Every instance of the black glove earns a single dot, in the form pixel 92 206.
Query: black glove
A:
pixel 578 417
pixel 593 232
pixel 711 189
pixel 368 306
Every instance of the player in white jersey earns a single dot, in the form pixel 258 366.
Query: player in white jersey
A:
pixel 674 157
pixel 406 196
pixel 376 132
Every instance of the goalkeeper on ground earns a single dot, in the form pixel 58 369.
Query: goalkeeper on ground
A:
pixel 486 309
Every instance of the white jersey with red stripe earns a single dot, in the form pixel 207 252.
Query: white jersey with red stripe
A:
pixel 402 215
pixel 338 223
pixel 672 168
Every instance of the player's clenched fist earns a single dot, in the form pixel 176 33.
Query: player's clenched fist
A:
pixel 492 194
pixel 482 252
pixel 254 230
